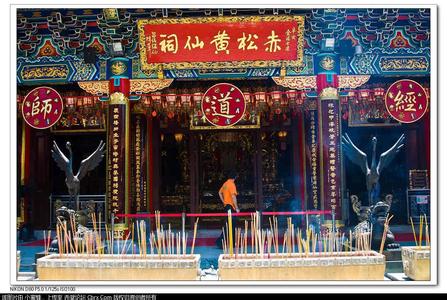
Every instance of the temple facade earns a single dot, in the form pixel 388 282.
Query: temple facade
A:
pixel 182 97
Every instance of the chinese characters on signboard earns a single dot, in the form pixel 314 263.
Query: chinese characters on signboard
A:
pixel 116 156
pixel 314 159
pixel 42 107
pixel 223 105
pixel 139 177
pixel 330 136
pixel 406 101
pixel 271 41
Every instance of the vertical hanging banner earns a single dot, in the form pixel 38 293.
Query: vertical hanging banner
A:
pixel 313 163
pixel 116 153
pixel 221 42
pixel 330 150
pixel 139 153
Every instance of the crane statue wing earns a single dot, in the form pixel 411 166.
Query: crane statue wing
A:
pixel 60 159
pixel 387 156
pixel 92 161
pixel 356 155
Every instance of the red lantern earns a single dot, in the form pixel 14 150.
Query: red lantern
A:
pixel 185 100
pixel 197 98
pixel 146 101
pixel 275 97
pixel 260 100
pixel 70 102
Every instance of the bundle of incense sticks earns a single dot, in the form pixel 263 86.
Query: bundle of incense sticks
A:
pixel 265 242
pixel 385 230
pixel 161 242
pixel 418 241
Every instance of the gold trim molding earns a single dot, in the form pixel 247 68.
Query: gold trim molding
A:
pixel 352 81
pixel 297 82
pixel 149 85
pixel 310 82
pixel 329 93
pixel 118 98
pixel 101 87
pixel 222 64
pixel 97 88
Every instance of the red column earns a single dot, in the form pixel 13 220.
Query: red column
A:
pixel 299 161
pixel 24 171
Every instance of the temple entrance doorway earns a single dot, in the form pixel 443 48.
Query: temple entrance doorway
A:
pixel 222 152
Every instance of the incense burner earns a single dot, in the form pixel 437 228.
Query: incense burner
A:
pixel 360 265
pixel 118 267
pixel 416 262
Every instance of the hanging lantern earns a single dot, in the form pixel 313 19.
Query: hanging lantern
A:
pixel 146 100
pixel 291 96
pixel 156 103
pixel 88 101
pixel 275 97
pixel 70 102
pixel 260 100
pixel 365 95
pixel 170 99
pixel 178 137
pixel 378 94
pixel 170 104
pixel 79 102
pixel 282 135
pixel 197 98
pixel 300 98
pixel 185 101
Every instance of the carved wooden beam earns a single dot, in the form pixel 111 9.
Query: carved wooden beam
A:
pixel 310 82
pixel 143 86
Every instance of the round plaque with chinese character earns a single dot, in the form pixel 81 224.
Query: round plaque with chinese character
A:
pixel 223 105
pixel 406 101
pixel 42 107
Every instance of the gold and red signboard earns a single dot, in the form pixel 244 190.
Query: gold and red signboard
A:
pixel 223 105
pixel 42 107
pixel 406 101
pixel 221 42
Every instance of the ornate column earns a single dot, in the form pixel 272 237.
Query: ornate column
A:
pixel 329 134
pixel 118 139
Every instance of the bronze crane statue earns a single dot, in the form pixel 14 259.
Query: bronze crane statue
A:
pixel 72 181
pixel 372 173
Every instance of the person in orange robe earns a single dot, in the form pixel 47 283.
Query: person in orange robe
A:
pixel 228 196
